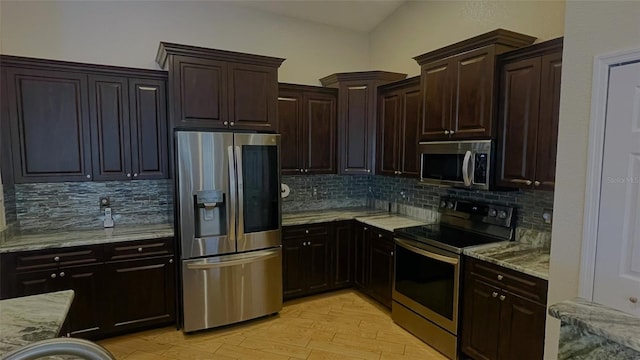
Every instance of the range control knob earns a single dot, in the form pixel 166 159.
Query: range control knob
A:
pixel 502 214
pixel 443 204
pixel 450 205
pixel 493 212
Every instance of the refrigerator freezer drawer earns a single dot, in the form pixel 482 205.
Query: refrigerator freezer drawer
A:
pixel 227 289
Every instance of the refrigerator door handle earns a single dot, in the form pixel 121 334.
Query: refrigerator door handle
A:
pixel 240 197
pixel 235 260
pixel 233 191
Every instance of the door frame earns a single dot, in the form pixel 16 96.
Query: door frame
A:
pixel 599 96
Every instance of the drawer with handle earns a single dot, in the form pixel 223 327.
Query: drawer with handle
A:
pixel 53 258
pixel 297 231
pixel 139 249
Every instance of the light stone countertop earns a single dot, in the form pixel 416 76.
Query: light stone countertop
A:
pixel 378 218
pixel 594 319
pixel 525 258
pixel 59 239
pixel 32 318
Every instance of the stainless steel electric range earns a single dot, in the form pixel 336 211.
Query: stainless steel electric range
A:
pixel 428 268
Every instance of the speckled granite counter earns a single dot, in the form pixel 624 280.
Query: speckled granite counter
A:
pixel 32 318
pixel 378 218
pixel 594 331
pixel 85 237
pixel 524 258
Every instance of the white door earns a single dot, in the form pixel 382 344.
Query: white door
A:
pixel 617 268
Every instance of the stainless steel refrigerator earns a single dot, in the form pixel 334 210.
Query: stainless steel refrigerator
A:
pixel 228 187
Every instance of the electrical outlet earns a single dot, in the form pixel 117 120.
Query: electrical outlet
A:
pixel 105 201
pixel 547 216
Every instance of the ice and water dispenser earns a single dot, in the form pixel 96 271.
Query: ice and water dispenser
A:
pixel 210 211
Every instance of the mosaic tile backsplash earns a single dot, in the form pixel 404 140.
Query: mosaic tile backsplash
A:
pixel 10 212
pixel 75 205
pixel 333 191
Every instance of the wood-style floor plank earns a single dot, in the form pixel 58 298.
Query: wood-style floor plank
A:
pixel 344 325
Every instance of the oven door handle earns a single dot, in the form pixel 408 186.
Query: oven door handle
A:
pixel 465 168
pixel 407 245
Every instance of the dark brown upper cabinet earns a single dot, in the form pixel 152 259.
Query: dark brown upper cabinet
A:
pixel 399 115
pixel 307 118
pixel 458 86
pixel 528 116
pixel 216 89
pixel 357 108
pixel 81 122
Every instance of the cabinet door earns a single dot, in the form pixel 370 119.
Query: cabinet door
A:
pixel 520 93
pixel 253 94
pixel 356 128
pixel 435 83
pixel 33 283
pixel 389 121
pixel 148 119
pixel 361 263
pixel 199 93
pixel 410 133
pixel 293 267
pixel 480 319
pixel 290 126
pixel 45 108
pixel 551 70
pixel 319 137
pixel 381 267
pixel 522 325
pixel 473 94
pixel 85 319
pixel 317 261
pixel 145 293
pixel 110 130
pixel 344 256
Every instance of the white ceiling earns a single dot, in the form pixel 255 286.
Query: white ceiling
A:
pixel 359 15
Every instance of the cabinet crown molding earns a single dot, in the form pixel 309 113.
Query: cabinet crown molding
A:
pixel 386 76
pixel 506 38
pixel 542 48
pixel 412 81
pixel 165 49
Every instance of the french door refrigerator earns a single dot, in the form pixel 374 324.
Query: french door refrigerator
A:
pixel 228 211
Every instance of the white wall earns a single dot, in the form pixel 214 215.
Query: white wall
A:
pixel 418 27
pixel 591 28
pixel 127 33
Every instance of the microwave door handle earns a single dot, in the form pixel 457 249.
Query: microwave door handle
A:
pixel 465 168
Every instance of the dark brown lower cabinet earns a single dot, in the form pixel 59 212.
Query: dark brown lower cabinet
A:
pixel 306 259
pixel 361 263
pixel 148 293
pixel 381 266
pixel 109 297
pixel 497 323
pixel 343 254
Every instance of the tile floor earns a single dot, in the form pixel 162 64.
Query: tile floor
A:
pixel 338 325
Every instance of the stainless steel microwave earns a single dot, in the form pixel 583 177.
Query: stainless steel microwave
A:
pixel 466 164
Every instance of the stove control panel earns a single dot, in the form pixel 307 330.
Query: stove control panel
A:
pixel 478 212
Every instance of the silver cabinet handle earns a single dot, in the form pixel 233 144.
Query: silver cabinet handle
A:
pixel 446 132
pixel 301 170
pixel 500 277
pixel 232 123
pixel 365 228
pixel 399 172
pixel 170 261
pixel 308 243
pixel 633 300
pixel 129 175
pixel 392 253
pixel 225 123
pixel 62 274
pixel 306 170
pixel 368 170
pixel 379 235
pixel 528 182
pixel 494 294
pixel 502 297
pixel 88 176
pixel 57 258
pixel 536 183
pixel 135 174
pixel 306 231
pixel 451 132
pixel 139 249
pixel 53 276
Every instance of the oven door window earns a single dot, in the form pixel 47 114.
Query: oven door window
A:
pixel 426 281
pixel 442 166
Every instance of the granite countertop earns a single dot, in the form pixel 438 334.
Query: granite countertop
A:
pixel 57 239
pixel 32 318
pixel 599 320
pixel 378 218
pixel 525 258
